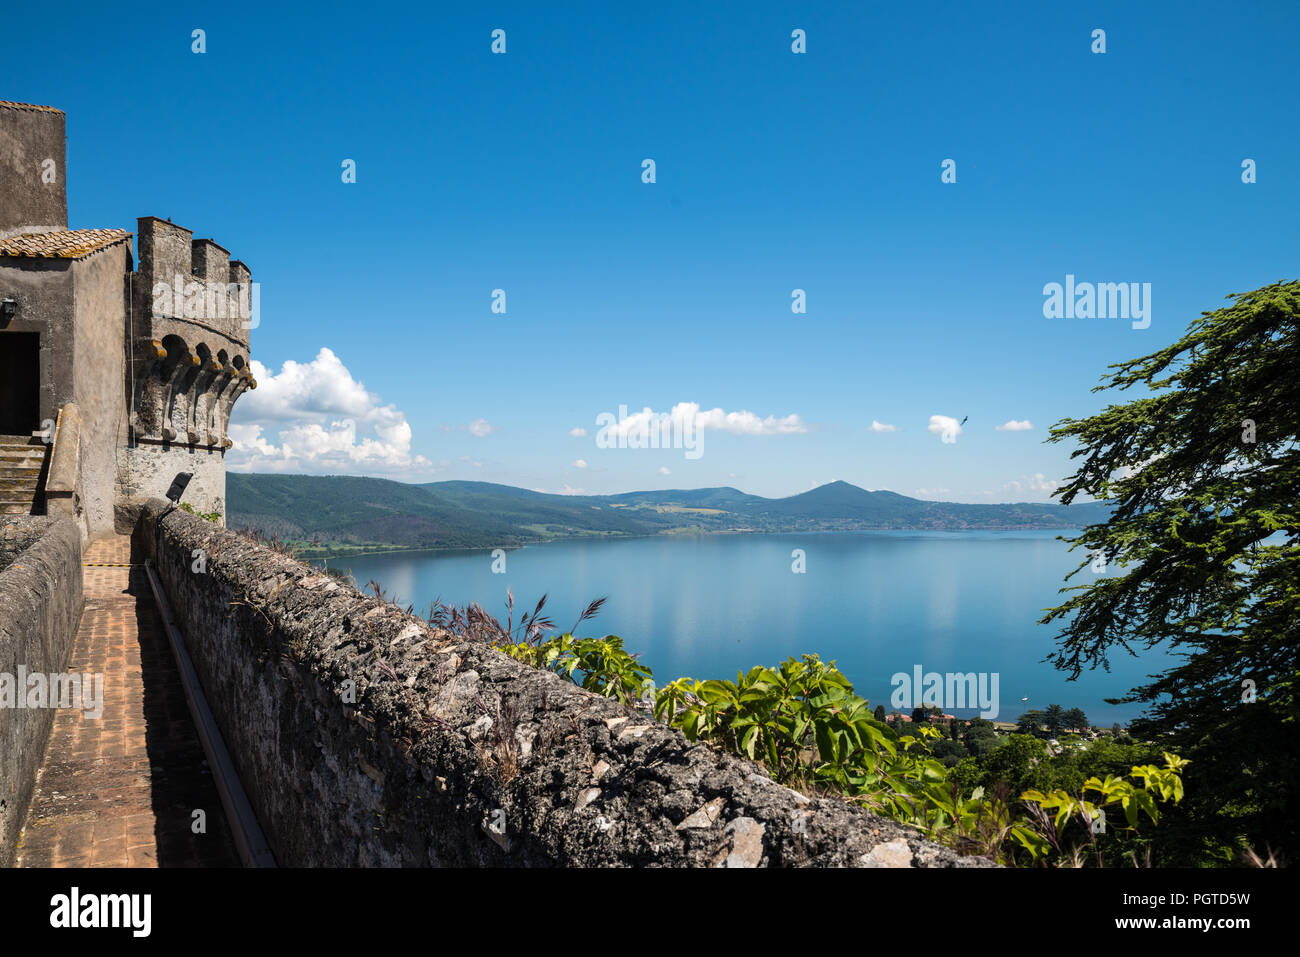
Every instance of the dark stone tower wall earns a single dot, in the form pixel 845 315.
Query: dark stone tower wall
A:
pixel 33 181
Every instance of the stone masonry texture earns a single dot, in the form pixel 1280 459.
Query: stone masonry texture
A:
pixel 40 605
pixel 364 737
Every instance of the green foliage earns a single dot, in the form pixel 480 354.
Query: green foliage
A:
pixel 1013 761
pixel 206 516
pixel 979 737
pixel 1054 719
pixel 597 664
pixel 1031 722
pixel 1158 784
pixel 803 721
pixel 1203 557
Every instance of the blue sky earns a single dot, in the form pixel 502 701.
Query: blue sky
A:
pixel 774 171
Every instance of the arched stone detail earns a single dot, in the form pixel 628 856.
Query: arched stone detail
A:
pixel 180 412
pixel 207 384
pixel 153 370
pixel 232 388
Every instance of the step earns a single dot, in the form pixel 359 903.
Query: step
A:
pixel 22 460
pixel 16 508
pixel 14 489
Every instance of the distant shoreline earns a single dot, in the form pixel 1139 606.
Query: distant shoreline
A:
pixel 402 550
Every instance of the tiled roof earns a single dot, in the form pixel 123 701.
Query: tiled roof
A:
pixel 10 105
pixel 63 244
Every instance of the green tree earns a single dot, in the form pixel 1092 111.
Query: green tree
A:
pixel 879 714
pixel 1012 763
pixel 1031 722
pixel 1054 719
pixel 1076 719
pixel 949 752
pixel 980 736
pixel 1202 552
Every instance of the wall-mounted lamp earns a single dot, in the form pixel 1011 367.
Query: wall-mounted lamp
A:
pixel 174 493
pixel 181 480
pixel 8 309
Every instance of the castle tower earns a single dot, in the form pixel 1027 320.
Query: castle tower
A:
pixel 113 379
pixel 33 191
pixel 192 308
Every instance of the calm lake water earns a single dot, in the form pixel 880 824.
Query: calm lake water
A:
pixel 878 603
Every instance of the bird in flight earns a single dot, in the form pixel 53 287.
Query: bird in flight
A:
pixel 964 418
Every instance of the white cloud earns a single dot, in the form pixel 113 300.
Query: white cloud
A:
pixel 580 464
pixel 742 423
pixel 665 470
pixel 946 427
pixel 1024 425
pixel 567 489
pixel 578 432
pixel 1040 483
pixel 315 417
pixel 687 415
pixel 882 427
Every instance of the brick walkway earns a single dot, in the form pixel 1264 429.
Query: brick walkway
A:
pixel 119 791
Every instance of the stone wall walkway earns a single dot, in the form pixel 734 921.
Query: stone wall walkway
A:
pixel 121 790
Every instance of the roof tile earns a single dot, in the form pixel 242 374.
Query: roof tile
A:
pixel 63 244
pixel 9 104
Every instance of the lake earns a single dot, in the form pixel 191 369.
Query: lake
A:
pixel 879 603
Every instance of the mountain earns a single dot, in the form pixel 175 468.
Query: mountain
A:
pixel 345 513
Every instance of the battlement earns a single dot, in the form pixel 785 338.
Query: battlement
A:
pixel 183 283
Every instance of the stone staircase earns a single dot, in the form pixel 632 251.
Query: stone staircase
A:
pixel 23 460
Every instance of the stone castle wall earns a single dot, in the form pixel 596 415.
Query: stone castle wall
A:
pixel 40 607
pixel 364 737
